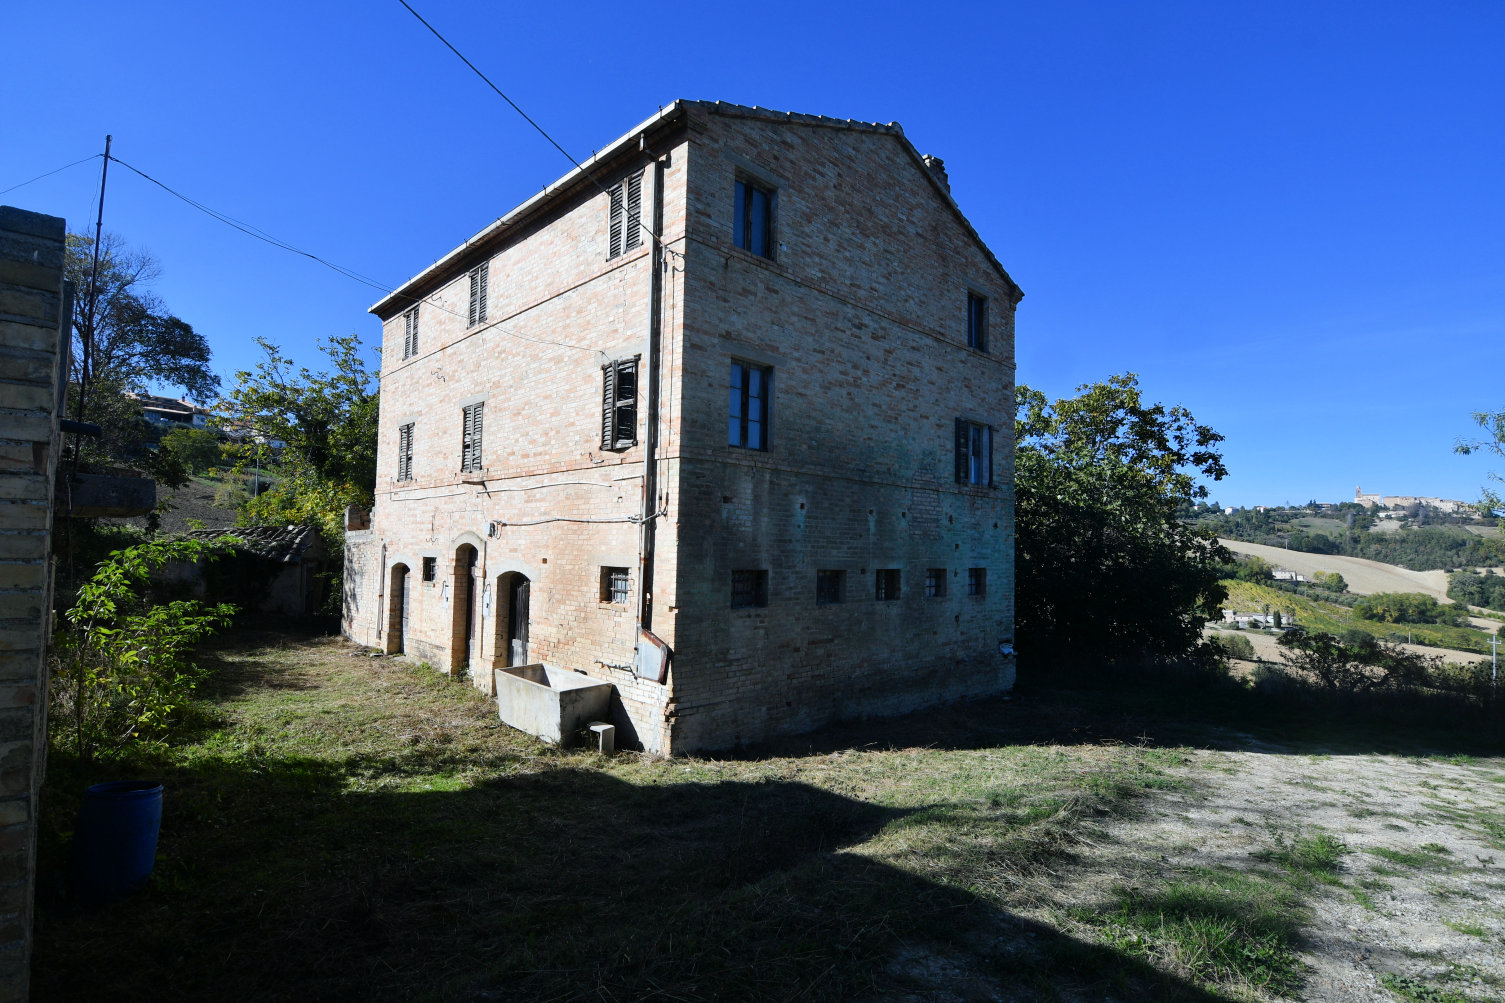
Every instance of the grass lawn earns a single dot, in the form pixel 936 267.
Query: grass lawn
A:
pixel 339 826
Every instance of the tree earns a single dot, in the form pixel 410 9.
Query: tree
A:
pixel 194 449
pixel 124 339
pixel 1355 662
pixel 1103 564
pixel 326 423
pixel 1493 441
pixel 1330 580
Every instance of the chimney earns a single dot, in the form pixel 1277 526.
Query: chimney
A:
pixel 937 168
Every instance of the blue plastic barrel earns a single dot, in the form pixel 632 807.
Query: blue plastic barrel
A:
pixel 115 842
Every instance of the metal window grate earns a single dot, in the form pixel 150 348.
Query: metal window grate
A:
pixel 886 584
pixel 749 588
pixel 616 585
pixel 829 587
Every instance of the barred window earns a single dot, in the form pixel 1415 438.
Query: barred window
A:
pixel 405 452
pixel 886 586
pixel 830 587
pixel 615 585
pixel 470 436
pixel 478 280
pixel 410 333
pixel 749 588
pixel 619 404
pixel 977 581
pixel 935 583
pixel 625 228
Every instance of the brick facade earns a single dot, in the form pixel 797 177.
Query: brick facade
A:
pixel 860 319
pixel 35 308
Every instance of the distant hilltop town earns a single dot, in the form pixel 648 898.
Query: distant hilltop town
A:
pixel 1449 505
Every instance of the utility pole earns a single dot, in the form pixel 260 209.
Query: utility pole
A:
pixel 86 364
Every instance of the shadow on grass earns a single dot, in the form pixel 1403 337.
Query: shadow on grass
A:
pixel 277 882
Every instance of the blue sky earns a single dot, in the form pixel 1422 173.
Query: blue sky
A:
pixel 1289 217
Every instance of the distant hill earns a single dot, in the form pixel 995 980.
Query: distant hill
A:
pixel 1423 540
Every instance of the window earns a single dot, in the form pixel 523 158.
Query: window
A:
pixel 430 568
pixel 614 585
pixel 749 588
pixel 977 581
pixel 752 219
pixel 977 322
pixel 619 404
pixel 405 452
pixel 410 333
pixel 935 583
pixel 478 277
pixel 887 584
pixel 470 437
pixel 974 453
pixel 830 587
pixel 751 391
pixel 626 223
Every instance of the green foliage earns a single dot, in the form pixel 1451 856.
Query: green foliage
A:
pixel 1487 590
pixel 1419 548
pixel 1355 662
pixel 1330 580
pixel 123 336
pixel 1104 561
pixel 1405 607
pixel 1247 568
pixel 194 449
pixel 327 420
pixel 1234 646
pixel 1493 441
pixel 122 668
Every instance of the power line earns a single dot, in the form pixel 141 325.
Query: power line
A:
pixel 527 118
pixel 49 174
pixel 260 234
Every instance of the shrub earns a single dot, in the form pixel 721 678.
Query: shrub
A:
pixel 122 669
pixel 1234 646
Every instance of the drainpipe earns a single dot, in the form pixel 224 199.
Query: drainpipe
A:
pixel 650 430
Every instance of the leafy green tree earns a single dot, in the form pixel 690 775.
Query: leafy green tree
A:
pixel 1234 646
pixel 1330 580
pixel 124 338
pixel 123 667
pixel 1355 662
pixel 1104 565
pixel 194 449
pixel 1492 441
pixel 326 422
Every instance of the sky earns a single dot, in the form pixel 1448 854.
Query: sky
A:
pixel 1288 217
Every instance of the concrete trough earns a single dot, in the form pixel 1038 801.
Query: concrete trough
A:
pixel 554 704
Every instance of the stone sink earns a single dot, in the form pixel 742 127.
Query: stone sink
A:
pixel 554 704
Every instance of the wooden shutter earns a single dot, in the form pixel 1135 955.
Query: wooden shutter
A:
pixel 473 290
pixel 634 235
pixel 615 219
pixel 485 276
pixel 478 411
pixel 410 333
pixel 987 452
pixel 608 403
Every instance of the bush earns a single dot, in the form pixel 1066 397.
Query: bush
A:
pixel 1234 646
pixel 194 449
pixel 122 670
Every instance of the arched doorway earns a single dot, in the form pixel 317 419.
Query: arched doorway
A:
pixel 399 601
pixel 512 618
pixel 465 597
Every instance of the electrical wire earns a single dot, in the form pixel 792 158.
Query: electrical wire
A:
pixel 260 234
pixel 526 117
pixel 49 174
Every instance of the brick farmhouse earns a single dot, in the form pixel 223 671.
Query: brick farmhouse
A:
pixel 724 418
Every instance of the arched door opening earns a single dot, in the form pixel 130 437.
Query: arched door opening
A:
pixel 465 596
pixel 512 618
pixel 399 600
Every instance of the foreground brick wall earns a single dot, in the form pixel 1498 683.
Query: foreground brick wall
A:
pixel 34 311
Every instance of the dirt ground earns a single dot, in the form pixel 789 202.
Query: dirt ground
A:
pixel 1420 894
pixel 1266 648
pixel 1363 577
